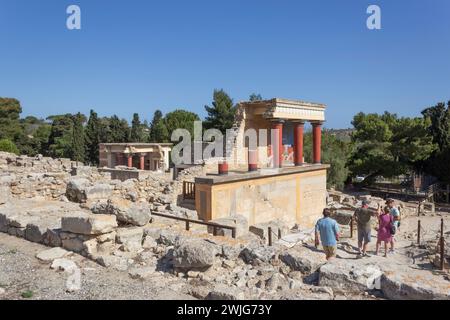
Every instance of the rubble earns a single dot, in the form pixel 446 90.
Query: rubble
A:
pixel 194 254
pixel 79 209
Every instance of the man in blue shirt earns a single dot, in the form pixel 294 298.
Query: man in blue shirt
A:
pixel 327 231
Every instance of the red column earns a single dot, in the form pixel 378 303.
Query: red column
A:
pixel 298 143
pixel 278 144
pixel 252 160
pixel 118 159
pixel 317 141
pixel 130 160
pixel 142 161
pixel 223 168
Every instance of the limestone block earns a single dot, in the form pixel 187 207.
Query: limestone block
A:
pixel 137 214
pixel 99 191
pixel 89 224
pixel 52 254
pixel 130 238
pixel 238 221
pixel 194 254
pixel 414 285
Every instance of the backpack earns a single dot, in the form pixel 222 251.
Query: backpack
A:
pixel 393 228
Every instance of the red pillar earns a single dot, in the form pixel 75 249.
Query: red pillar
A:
pixel 130 160
pixel 118 159
pixel 298 143
pixel 252 160
pixel 278 144
pixel 142 161
pixel 317 141
pixel 223 168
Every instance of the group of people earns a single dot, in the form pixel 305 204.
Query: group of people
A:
pixel 327 229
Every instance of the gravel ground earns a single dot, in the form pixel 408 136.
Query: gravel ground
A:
pixel 22 276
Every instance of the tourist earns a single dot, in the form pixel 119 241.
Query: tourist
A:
pixel 363 217
pixel 385 221
pixel 327 231
pixel 395 213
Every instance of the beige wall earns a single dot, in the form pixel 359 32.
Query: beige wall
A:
pixel 293 198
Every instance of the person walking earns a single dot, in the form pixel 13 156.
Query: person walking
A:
pixel 327 231
pixel 385 222
pixel 363 217
pixel 395 213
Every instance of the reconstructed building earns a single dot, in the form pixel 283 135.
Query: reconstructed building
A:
pixel 269 180
pixel 143 156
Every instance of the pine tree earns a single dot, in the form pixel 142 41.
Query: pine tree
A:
pixel 136 133
pixel 78 143
pixel 255 97
pixel 221 114
pixel 118 130
pixel 92 138
pixel 158 129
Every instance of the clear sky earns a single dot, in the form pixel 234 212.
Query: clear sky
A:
pixel 136 56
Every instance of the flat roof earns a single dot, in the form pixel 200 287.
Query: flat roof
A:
pixel 233 176
pixel 278 101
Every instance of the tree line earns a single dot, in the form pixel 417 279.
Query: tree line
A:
pixel 77 137
pixel 379 144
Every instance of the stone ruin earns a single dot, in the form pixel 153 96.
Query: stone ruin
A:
pixel 86 212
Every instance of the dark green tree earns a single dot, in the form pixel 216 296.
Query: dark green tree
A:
pixel 439 128
pixel 60 137
pixel 92 138
pixel 335 152
pixel 158 129
pixel 385 145
pixel 78 142
pixel 439 119
pixel 10 127
pixel 118 130
pixel 137 129
pixel 255 97
pixel 221 114
pixel 180 119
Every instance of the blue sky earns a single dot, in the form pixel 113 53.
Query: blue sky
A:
pixel 137 56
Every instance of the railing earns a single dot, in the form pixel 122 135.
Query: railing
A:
pixel 215 226
pixel 188 190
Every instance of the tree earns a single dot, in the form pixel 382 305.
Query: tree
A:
pixel 7 145
pixel 221 114
pixel 137 130
pixel 158 129
pixel 118 130
pixel 60 138
pixel 385 145
pixel 180 119
pixel 78 143
pixel 335 152
pixel 255 97
pixel 439 128
pixel 10 111
pixel 92 138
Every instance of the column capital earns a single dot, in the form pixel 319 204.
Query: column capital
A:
pixel 298 122
pixel 317 122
